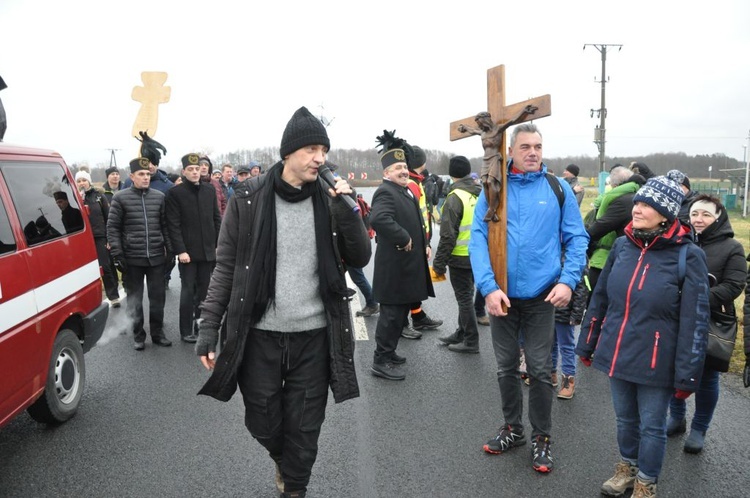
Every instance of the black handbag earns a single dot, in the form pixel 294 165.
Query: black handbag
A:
pixel 722 334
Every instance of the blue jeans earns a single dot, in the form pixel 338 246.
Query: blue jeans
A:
pixel 641 413
pixel 359 279
pixel 536 319
pixel 706 398
pixel 565 345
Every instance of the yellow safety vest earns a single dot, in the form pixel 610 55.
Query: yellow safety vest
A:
pixel 464 230
pixel 423 209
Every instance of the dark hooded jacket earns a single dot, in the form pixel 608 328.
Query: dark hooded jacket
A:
pixel 642 326
pixel 725 258
pixel 230 284
pixel 98 211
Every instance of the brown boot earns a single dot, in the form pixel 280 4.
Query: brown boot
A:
pixel 568 387
pixel 644 489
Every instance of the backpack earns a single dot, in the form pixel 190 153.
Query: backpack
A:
pixel 364 212
pixel 431 189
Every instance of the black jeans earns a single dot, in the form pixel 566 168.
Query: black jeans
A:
pixel 536 319
pixel 109 276
pixel 391 321
pixel 479 304
pixel 156 295
pixel 195 277
pixel 284 383
pixel 462 281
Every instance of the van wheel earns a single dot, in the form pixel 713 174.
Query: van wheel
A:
pixel 65 381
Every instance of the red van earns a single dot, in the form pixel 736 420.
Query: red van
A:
pixel 51 307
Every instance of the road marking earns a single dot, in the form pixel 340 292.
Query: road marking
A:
pixel 360 329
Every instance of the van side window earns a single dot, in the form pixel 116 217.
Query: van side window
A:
pixel 7 241
pixel 44 200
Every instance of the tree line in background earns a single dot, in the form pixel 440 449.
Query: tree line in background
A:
pixel 367 161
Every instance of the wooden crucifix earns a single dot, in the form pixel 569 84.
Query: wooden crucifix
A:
pixel 150 95
pixel 491 127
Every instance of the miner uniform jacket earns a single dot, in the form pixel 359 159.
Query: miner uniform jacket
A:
pixel 400 277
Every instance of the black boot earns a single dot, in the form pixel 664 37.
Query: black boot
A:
pixel 456 337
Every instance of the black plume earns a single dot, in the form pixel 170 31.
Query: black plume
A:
pixel 150 148
pixel 389 141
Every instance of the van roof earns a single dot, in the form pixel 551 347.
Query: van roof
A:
pixel 6 148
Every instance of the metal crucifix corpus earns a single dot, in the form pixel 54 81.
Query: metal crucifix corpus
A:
pixel 491 127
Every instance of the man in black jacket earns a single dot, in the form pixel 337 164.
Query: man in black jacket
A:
pixel 401 277
pixel 194 220
pixel 137 236
pixel 279 277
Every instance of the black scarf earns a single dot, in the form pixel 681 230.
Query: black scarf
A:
pixel 263 265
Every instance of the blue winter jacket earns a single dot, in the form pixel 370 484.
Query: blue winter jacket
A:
pixel 640 326
pixel 536 236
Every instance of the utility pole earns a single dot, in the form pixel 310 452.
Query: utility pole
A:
pixel 112 158
pixel 600 131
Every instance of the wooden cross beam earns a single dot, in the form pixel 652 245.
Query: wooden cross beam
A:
pixel 494 170
pixel 150 95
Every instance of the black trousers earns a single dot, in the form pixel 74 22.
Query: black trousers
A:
pixel 391 322
pixel 195 277
pixel 154 275
pixel 462 281
pixel 109 277
pixel 284 383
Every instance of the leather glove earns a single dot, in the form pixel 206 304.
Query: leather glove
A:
pixel 435 276
pixel 680 394
pixel 120 264
pixel 208 337
pixel 746 373
pixel 585 361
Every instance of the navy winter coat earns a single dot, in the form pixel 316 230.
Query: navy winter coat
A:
pixel 639 326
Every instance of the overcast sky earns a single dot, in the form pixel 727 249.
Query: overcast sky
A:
pixel 238 70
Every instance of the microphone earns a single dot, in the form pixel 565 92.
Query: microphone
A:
pixel 324 172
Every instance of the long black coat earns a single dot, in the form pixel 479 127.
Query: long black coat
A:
pixel 230 284
pixel 400 277
pixel 194 220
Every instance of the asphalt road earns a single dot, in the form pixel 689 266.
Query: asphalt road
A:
pixel 142 431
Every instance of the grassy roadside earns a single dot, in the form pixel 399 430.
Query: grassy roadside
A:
pixel 741 228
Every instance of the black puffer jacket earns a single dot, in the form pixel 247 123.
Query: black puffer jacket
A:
pixel 98 211
pixel 229 286
pixel 137 227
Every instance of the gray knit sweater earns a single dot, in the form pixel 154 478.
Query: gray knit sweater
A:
pixel 299 306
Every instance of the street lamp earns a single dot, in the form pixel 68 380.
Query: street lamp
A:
pixel 710 184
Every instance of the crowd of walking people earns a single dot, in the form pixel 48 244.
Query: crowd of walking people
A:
pixel 262 255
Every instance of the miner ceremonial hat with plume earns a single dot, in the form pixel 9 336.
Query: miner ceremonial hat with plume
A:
pixel 150 148
pixel 394 150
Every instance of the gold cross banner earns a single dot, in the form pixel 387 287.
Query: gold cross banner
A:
pixel 150 95
pixel 491 126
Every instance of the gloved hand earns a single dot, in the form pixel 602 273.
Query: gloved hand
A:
pixel 680 394
pixel 585 361
pixel 435 276
pixel 746 373
pixel 208 337
pixel 120 264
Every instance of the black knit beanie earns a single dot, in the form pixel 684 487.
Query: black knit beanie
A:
pixel 303 129
pixel 110 170
pixel 459 167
